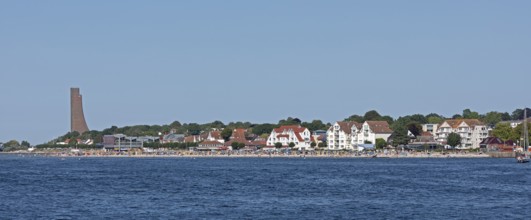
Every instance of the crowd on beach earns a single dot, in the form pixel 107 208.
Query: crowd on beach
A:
pixel 256 153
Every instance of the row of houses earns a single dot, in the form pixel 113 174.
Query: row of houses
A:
pixel 350 135
pixel 342 135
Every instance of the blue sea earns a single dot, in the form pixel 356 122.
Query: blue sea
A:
pixel 263 188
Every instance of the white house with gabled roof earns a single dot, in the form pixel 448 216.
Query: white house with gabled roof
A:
pixel 285 135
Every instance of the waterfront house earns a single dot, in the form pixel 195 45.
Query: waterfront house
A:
pixel 494 144
pixel 285 135
pixel 472 132
pixel 370 131
pixel 193 139
pixel 339 135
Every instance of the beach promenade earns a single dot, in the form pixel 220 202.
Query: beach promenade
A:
pixel 254 154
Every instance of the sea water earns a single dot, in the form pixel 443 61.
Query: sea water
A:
pixel 263 188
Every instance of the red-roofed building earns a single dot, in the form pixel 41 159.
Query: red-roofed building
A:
pixel 300 136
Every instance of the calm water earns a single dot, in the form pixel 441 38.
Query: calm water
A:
pixel 263 188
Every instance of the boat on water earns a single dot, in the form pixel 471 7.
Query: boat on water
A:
pixel 522 158
pixel 523 155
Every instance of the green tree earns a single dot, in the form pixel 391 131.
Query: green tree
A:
pixel 12 144
pixel 193 128
pixel 469 114
pixel 415 128
pixel 518 114
pixel 278 145
pixel 241 145
pixel 435 120
pixel 322 144
pixel 492 118
pixel 217 124
pixel 400 137
pixel 402 122
pixel 453 139
pixel 380 143
pixel 356 118
pixel 506 116
pixel 261 129
pixel 457 116
pixel 25 144
pixel 505 132
pixel 289 121
pixel 226 134
pixel 313 144
pixel 315 125
pixel 235 145
pixel 519 131
pixel 421 119
pixel 291 145
pixel 175 124
pixel 372 115
pixel 388 119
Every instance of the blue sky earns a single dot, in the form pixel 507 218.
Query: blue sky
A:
pixel 154 62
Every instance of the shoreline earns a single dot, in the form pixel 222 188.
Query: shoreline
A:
pixel 376 156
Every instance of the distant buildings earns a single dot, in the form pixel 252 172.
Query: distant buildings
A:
pixel 514 123
pixel 121 141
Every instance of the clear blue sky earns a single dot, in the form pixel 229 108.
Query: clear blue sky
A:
pixel 154 62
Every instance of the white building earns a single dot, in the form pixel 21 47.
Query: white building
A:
pixel 432 128
pixel 350 135
pixel 472 132
pixel 339 135
pixel 372 130
pixel 285 135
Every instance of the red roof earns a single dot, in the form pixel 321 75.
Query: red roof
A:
pixel 295 128
pixel 238 133
pixel 379 127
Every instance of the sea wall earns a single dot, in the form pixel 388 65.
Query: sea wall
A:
pixel 502 154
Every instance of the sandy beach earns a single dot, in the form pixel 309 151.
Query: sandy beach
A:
pixel 259 154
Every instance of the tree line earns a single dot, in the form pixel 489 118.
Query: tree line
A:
pixel 399 125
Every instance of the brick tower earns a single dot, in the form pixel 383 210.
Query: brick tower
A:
pixel 77 118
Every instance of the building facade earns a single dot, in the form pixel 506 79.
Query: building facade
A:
pixel 472 132
pixel 339 135
pixel 351 135
pixel 372 130
pixel 285 135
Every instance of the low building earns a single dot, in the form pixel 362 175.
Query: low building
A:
pixel 123 142
pixel 494 144
pixel 173 138
pixel 210 145
pixel 193 139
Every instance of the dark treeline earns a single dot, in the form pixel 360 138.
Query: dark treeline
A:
pixel 400 125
